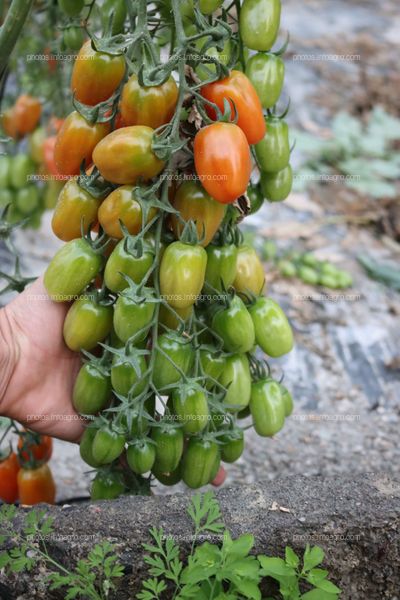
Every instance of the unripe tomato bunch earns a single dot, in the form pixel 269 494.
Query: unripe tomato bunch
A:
pixel 167 302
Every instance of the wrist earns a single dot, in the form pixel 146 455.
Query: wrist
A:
pixel 8 358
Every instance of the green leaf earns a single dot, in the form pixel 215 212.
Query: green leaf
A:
pixel 318 595
pixel 312 557
pixel 239 547
pixel 385 168
pixel 373 187
pixel 328 586
pixel 275 567
pixel 249 589
pixel 291 558
pixel 316 575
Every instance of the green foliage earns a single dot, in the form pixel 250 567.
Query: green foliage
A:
pixel 383 272
pixel 228 572
pixel 363 155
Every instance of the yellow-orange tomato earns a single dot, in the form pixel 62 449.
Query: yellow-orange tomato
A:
pixel 36 485
pixel 76 141
pixel 75 211
pixel 8 123
pixel 239 91
pixel 120 205
pixel 96 75
pixel 27 111
pixel 152 106
pixel 250 276
pixel 223 161
pixel 126 154
pixel 194 204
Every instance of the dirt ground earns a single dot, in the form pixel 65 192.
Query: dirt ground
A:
pixel 345 369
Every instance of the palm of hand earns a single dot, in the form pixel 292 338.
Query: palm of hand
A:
pixel 39 393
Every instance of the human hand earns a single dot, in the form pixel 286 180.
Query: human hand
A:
pixel 37 370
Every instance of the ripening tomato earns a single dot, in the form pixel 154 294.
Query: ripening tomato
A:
pixel 133 315
pixel 276 187
pixel 237 379
pixel 141 456
pixel 223 161
pixel 96 75
pixel 49 161
pixel 125 155
pixel 35 145
pixel 250 276
pixel 199 461
pixel 73 267
pixel 195 204
pixel 267 407
pixel 92 389
pixel 168 444
pixel 274 334
pixel 273 151
pixel 75 212
pixel 87 323
pixel 27 111
pixel 9 467
pixel 169 319
pixel 180 351
pixel 259 23
pixel 8 123
pixel 33 447
pixel 221 267
pixel 36 485
pixel 75 143
pixel 107 486
pixel 121 205
pixel 191 407
pixel 152 106
pixel 235 327
pixel 238 90
pixel 182 273
pixel 125 260
pixel 266 72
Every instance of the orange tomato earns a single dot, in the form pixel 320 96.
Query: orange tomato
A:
pixel 76 210
pixel 76 141
pixel 27 111
pixel 223 161
pixel 33 446
pixel 8 123
pixel 9 468
pixel 238 90
pixel 152 106
pixel 36 485
pixel 96 75
pixel 48 155
pixel 121 206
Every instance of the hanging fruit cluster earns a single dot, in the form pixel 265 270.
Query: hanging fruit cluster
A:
pixel 167 301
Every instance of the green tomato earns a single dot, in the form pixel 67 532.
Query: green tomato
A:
pixel 309 259
pixel 5 168
pixel 85 447
pixel 274 334
pixel 276 187
pixel 287 268
pixel 127 372
pixel 182 273
pixel 259 23
pixel 173 347
pixel 344 279
pixel 73 267
pixel 87 323
pixel 191 407
pixel 209 6
pixel 121 260
pixel 232 445
pixel 256 198
pixel 107 446
pixel 27 199
pixel 141 456
pixel 237 379
pixel 328 268
pixel 308 275
pixel 235 326
pixel 22 167
pixel 273 152
pixel 328 281
pixel 107 486
pixel 267 407
pixel 73 38
pixel 212 363
pixel 266 72
pixel 168 479
pixel 207 70
pixel 92 390
pixel 131 315
pixel 35 145
pixel 216 467
pixel 221 267
pixel 6 197
pixel 198 462
pixel 117 10
pixel 71 8
pixel 169 446
pixel 287 400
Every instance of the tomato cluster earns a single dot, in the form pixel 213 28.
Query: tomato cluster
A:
pixel 25 474
pixel 167 302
